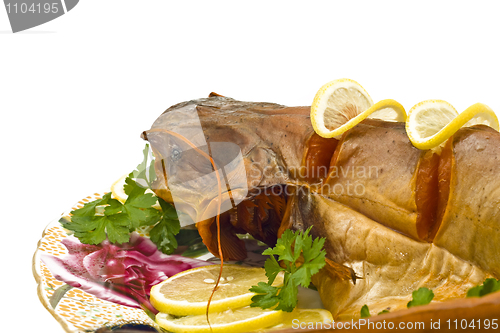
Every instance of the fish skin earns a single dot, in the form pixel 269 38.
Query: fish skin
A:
pixel 378 158
pixel 464 250
pixel 471 224
pixel 390 265
pixel 270 136
pixel 270 157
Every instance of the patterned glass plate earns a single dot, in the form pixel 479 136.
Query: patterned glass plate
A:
pixel 90 303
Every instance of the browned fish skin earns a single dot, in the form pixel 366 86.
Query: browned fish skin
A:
pixel 390 265
pixel 276 141
pixel 269 135
pixel 375 174
pixel 471 224
pixel 375 155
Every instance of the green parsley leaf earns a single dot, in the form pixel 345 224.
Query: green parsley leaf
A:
pixel 288 295
pixel 314 258
pixel 131 187
pixel 302 257
pixel 109 218
pixel 489 286
pixel 272 268
pixel 113 207
pixel 87 229
pixel 163 237
pixel 141 174
pixel 365 312
pixel 138 205
pixel 282 249
pixel 92 228
pixel 422 296
pixel 117 227
pixel 140 212
pixel 163 233
pixel 89 208
pixel 266 295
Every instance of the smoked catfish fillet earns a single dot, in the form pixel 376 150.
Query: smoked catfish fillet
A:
pixel 397 217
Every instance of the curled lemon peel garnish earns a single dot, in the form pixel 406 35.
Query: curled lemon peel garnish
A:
pixel 432 122
pixel 342 104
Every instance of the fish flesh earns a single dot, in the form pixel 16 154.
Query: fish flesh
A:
pixel 396 217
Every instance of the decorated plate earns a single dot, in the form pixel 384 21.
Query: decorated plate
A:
pixel 97 288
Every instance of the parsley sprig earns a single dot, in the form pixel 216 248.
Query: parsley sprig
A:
pixel 111 219
pixel 422 296
pixel 163 233
pixel 489 286
pixel 365 311
pixel 302 257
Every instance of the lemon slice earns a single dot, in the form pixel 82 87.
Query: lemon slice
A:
pixel 342 104
pixel 304 319
pixel 119 194
pixel 308 316
pixel 432 122
pixel 187 293
pixel 243 319
pixel 301 319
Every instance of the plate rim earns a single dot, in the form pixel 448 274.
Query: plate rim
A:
pixel 35 266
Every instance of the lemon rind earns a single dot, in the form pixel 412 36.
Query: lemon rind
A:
pixel 461 119
pixel 320 99
pixel 466 118
pixel 326 316
pixel 184 308
pixel 386 103
pixel 265 319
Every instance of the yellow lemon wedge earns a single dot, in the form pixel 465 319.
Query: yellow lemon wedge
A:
pixel 187 293
pixel 342 104
pixel 117 190
pixel 119 194
pixel 432 122
pixel 244 319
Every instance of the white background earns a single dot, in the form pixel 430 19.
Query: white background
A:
pixel 76 93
